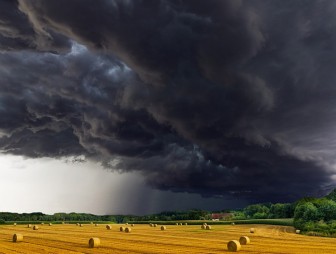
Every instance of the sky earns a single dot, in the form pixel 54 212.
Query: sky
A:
pixel 142 106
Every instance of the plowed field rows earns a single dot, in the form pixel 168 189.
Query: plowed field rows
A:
pixel 145 239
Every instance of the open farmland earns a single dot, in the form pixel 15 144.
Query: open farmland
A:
pixel 146 239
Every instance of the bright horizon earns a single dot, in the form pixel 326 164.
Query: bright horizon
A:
pixel 51 186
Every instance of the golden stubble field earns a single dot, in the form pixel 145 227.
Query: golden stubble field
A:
pixel 145 239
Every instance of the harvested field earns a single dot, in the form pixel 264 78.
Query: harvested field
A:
pixel 143 239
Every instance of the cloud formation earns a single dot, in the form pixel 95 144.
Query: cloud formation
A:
pixel 222 98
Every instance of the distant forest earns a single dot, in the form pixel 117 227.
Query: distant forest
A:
pixel 76 217
pixel 313 216
pixel 258 211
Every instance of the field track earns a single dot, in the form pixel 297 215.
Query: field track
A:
pixel 145 239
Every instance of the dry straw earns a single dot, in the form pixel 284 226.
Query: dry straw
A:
pixel 35 227
pixel 297 231
pixel 252 230
pixel 233 246
pixel 17 238
pixel 163 228
pixel 128 230
pixel 94 242
pixel 243 240
pixel 108 227
pixel 122 229
pixel 208 227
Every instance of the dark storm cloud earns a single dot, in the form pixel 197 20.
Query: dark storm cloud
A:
pixel 75 95
pixel 18 32
pixel 212 97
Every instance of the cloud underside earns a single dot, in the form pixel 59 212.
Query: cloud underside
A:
pixel 221 98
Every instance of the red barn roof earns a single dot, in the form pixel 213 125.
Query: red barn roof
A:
pixel 220 215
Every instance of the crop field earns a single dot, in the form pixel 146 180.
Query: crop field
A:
pixel 145 239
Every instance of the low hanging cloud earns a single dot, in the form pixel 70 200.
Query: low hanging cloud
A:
pixel 213 97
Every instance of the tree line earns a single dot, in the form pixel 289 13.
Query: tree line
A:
pixel 257 211
pixel 36 217
pixel 74 217
pixel 315 216
pixel 265 211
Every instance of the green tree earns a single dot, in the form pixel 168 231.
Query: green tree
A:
pixel 279 210
pixel 310 212
pixel 260 216
pixel 251 210
pixel 239 215
pixel 298 216
pixel 332 195
pixel 327 210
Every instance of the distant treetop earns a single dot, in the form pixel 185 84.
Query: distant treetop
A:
pixel 332 195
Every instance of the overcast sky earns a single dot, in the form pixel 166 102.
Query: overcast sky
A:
pixel 165 104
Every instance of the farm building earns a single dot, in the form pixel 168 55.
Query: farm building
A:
pixel 220 216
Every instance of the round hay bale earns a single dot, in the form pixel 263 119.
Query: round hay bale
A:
pixel 29 225
pixel 108 227
pixel 176 224
pixel 132 225
pixel 186 224
pixel 17 238
pixel 252 230
pixel 96 225
pixel 94 242
pixel 297 231
pixel 14 224
pixel 122 229
pixel 128 230
pixel 208 227
pixel 63 222
pixel 91 223
pixel 203 227
pixel 180 224
pixel 151 224
pixel 77 224
pixel 42 223
pixel 50 224
pixel 243 240
pixel 205 224
pixel 232 223
pixel 81 225
pixel 163 228
pixel 233 246
pixel 126 223
pixel 35 227
pixel 155 225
